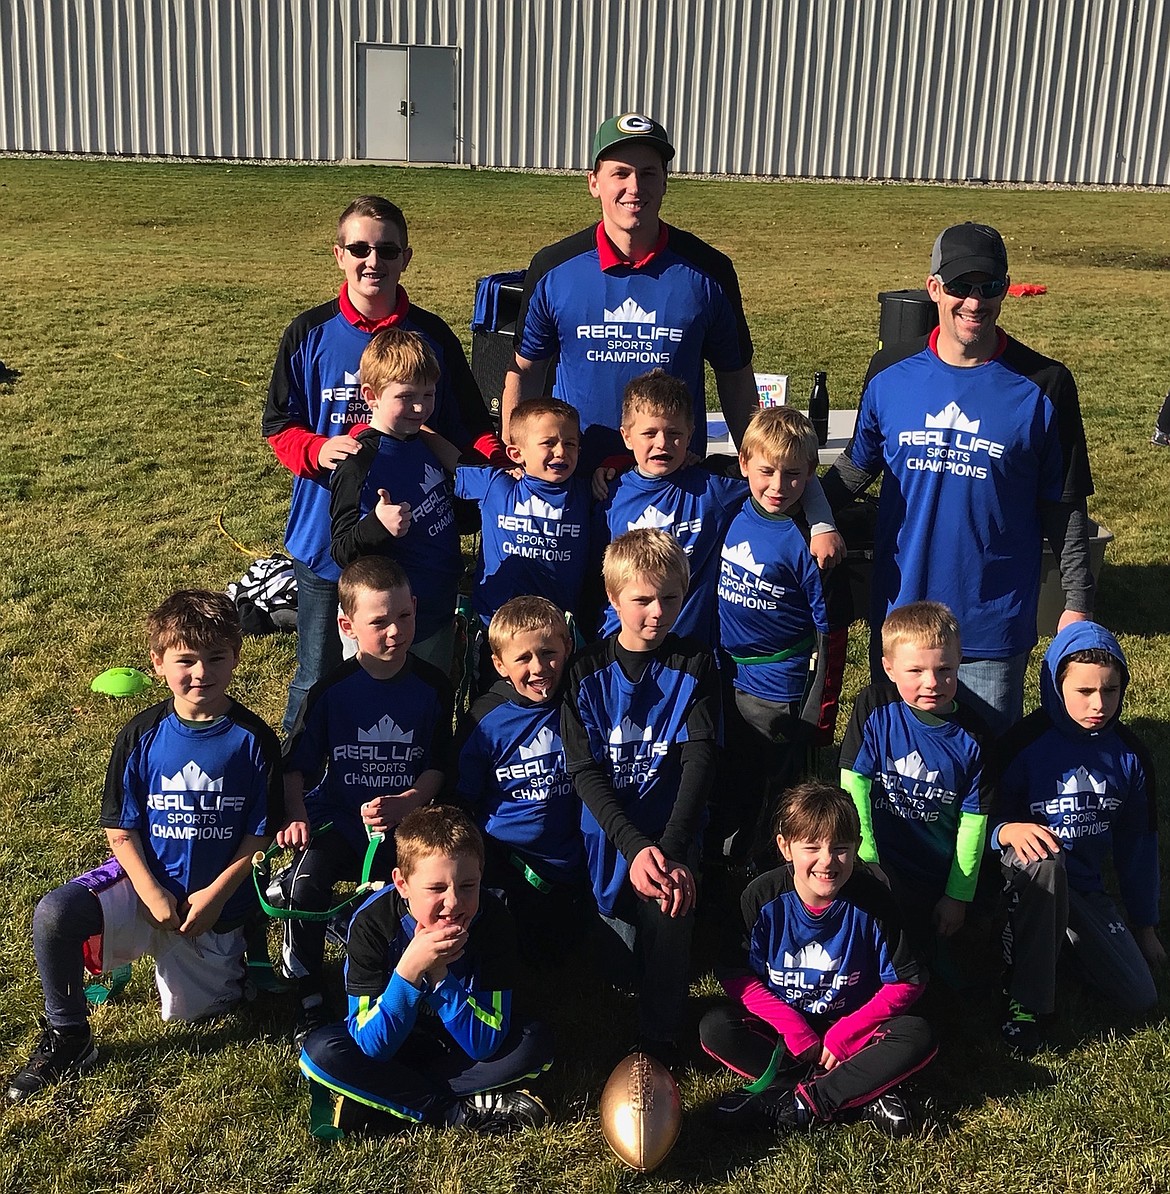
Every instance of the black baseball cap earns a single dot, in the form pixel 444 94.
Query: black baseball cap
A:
pixel 631 128
pixel 968 249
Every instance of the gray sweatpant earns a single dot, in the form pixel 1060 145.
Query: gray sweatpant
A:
pixel 1045 915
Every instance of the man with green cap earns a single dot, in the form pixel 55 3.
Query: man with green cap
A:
pixel 627 295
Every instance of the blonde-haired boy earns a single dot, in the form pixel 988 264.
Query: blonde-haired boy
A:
pixel 392 496
pixel 773 623
pixel 913 761
pixel 513 778
pixel 431 1037
pixel 690 502
pixel 640 727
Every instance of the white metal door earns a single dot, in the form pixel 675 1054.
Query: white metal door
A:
pixel 406 103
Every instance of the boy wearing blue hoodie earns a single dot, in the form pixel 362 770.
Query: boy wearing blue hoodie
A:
pixel 1075 786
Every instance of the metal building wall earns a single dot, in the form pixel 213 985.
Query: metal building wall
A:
pixel 1005 90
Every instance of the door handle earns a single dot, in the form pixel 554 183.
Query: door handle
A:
pixel 405 110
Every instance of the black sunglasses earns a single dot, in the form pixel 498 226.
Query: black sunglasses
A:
pixel 361 249
pixel 988 290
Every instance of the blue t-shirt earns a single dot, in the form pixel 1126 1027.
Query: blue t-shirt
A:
pixel 429 552
pixel 694 506
pixel 770 601
pixel 535 537
pixel 679 309
pixel 635 729
pixel 923 775
pixel 968 455
pixel 193 793
pixel 513 777
pixel 357 737
pixel 831 963
pixel 315 385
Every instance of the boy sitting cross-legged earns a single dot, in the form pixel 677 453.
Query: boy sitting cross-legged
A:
pixel 1077 786
pixel 392 497
pixel 689 502
pixel 431 962
pixel 371 742
pixel 640 726
pixel 913 760
pixel 819 1028
pixel 192 788
pixel 512 776
pixel 772 623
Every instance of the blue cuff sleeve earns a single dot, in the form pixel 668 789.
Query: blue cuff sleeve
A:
pixel 379 1026
pixel 478 1020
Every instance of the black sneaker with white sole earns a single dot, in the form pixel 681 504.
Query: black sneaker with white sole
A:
pixel 59 1054
pixel 499 1112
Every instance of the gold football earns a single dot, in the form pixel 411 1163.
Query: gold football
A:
pixel 640 1112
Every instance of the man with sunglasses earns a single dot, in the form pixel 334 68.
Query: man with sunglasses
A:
pixel 315 409
pixel 981 447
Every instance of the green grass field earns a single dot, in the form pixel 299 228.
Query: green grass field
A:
pixel 143 307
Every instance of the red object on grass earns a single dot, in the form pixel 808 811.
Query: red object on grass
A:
pixel 1027 289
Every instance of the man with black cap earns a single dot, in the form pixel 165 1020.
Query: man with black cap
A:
pixel 982 448
pixel 629 294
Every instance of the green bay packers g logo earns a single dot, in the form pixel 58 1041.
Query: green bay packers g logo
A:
pixel 635 122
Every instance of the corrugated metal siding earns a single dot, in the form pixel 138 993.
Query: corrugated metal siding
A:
pixel 1005 90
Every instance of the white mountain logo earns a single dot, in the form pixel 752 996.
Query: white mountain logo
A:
pixel 1079 781
pixel 385 730
pixel 545 743
pixel 432 478
pixel 628 732
pixel 630 312
pixel 914 767
pixel 812 957
pixel 651 518
pixel 351 379
pixel 192 778
pixel 741 554
pixel 952 417
pixel 536 507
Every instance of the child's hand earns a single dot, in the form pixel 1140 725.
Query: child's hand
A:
pixel 394 516
pixel 383 813
pixel 683 898
pixel 335 449
pixel 602 476
pixel 515 473
pixel 1152 949
pixel 294 835
pixel 162 908
pixel 828 1061
pixel 431 951
pixel 828 549
pixel 1030 841
pixel 948 916
pixel 199 911
pixel 649 877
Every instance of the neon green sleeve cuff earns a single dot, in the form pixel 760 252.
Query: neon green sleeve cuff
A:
pixel 969 842
pixel 858 786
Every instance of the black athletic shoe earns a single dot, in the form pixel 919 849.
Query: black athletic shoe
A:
pixel 499 1112
pixel 311 1016
pixel 359 1119
pixel 777 1109
pixel 1020 1031
pixel 890 1113
pixel 57 1055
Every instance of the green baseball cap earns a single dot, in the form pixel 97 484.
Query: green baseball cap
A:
pixel 631 127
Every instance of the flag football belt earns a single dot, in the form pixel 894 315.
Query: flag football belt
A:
pixel 262 877
pixel 780 656
pixel 541 885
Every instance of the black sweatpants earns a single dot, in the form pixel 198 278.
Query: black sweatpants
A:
pixel 746 1044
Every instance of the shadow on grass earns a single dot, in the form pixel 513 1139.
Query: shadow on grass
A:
pixel 1131 598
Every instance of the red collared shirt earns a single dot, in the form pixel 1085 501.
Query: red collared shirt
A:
pixel 610 257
